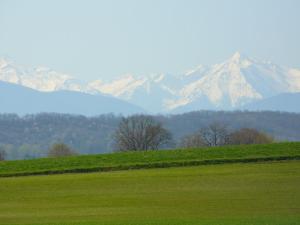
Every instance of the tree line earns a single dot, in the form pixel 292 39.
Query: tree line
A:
pixel 142 133
pixel 32 136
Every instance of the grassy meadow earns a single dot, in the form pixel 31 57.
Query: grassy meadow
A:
pixel 151 159
pixel 265 193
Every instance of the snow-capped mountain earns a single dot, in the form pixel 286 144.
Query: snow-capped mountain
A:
pixel 229 85
pixel 236 82
pixel 39 78
pixel 150 92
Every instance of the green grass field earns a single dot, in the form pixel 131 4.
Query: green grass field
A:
pixel 152 159
pixel 232 194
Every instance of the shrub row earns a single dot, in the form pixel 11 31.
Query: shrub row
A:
pixel 153 165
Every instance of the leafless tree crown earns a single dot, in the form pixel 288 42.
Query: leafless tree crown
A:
pixel 2 154
pixel 140 132
pixel 60 150
pixel 249 136
pixel 192 141
pixel 215 134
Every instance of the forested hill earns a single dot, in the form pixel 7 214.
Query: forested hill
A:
pixel 30 136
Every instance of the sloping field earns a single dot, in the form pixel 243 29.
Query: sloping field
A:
pixel 152 159
pixel 231 194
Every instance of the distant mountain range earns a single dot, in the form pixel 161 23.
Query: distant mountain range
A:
pixel 240 82
pixel 289 102
pixel 23 100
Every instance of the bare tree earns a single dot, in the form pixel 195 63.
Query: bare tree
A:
pixel 2 154
pixel 192 141
pixel 249 136
pixel 140 132
pixel 215 134
pixel 60 150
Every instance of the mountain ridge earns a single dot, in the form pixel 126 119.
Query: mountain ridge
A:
pixel 274 103
pixel 230 85
pixel 23 100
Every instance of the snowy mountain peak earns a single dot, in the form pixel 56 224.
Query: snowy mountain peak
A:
pixel 237 56
pixel 40 78
pixel 195 70
pixel 240 60
pixel 3 63
pixel 229 85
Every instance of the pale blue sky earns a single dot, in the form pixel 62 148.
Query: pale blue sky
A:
pixel 102 39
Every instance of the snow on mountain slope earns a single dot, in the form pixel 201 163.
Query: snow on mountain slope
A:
pixel 148 92
pixel 232 84
pixel 124 86
pixel 294 80
pixel 229 85
pixel 221 81
pixel 39 78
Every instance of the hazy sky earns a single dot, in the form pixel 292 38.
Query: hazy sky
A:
pixel 102 39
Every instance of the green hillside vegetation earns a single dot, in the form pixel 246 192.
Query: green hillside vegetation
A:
pixel 30 136
pixel 151 159
pixel 227 194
